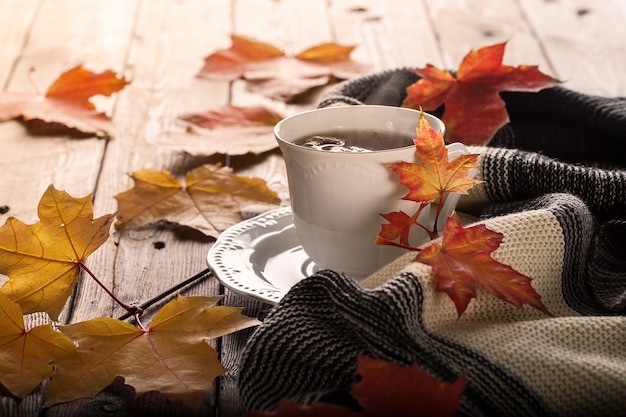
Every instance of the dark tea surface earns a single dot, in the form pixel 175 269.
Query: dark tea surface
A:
pixel 355 141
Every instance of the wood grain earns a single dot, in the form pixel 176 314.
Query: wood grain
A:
pixel 160 45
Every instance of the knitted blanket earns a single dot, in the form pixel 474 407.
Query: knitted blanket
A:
pixel 555 187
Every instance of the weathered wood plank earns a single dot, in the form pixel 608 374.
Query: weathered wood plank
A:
pixel 291 26
pixel 462 25
pixel 387 34
pixel 15 25
pixel 62 35
pixel 584 40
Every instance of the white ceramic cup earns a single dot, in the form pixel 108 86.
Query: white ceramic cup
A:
pixel 337 198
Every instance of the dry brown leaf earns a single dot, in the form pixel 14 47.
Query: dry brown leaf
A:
pixel 230 130
pixel 210 200
pixel 170 356
pixel 269 71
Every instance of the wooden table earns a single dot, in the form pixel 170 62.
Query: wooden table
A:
pixel 160 45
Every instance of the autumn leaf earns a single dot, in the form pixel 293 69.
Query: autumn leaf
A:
pixel 399 225
pixel 210 200
pixel 463 261
pixel 26 355
pixel 474 110
pixel 386 389
pixel 230 64
pixel 43 260
pixel 231 130
pixel 271 72
pixel 435 174
pixel 66 104
pixel 170 356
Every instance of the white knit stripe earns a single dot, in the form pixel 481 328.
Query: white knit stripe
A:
pixel 576 364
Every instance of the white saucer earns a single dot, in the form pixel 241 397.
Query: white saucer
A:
pixel 261 257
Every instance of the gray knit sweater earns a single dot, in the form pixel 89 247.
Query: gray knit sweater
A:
pixel 555 186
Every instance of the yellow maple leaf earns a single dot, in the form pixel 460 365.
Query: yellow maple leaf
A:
pixel 43 260
pixel 25 355
pixel 170 356
pixel 210 201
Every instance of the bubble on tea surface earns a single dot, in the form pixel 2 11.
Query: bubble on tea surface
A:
pixel 331 144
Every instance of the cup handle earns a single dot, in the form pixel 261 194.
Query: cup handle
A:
pixel 454 150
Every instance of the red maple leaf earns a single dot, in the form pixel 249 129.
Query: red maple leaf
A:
pixel 463 261
pixel 386 389
pixel 474 110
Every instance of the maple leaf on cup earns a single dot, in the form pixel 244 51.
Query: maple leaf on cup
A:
pixel 462 261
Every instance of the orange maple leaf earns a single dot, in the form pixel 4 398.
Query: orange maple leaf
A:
pixel 43 260
pixel 210 200
pixel 66 104
pixel 463 261
pixel 271 72
pixel 170 356
pixel 474 110
pixel 26 355
pixel 386 389
pixel 435 174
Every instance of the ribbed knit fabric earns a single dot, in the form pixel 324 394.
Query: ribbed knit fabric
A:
pixel 559 199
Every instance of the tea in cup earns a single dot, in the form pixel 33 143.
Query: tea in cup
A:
pixel 339 185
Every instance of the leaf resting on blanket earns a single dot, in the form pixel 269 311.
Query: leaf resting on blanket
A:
pixel 474 110
pixel 386 389
pixel 463 260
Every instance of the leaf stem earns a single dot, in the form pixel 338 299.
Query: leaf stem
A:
pixel 133 310
pixel 383 241
pixel 200 275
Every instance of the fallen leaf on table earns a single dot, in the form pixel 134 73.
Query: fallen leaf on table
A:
pixel 474 110
pixel 43 260
pixel 170 356
pixel 386 389
pixel 66 105
pixel 26 355
pixel 463 261
pixel 210 200
pixel 269 71
pixel 228 130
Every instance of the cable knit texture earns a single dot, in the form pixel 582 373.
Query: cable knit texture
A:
pixel 555 187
